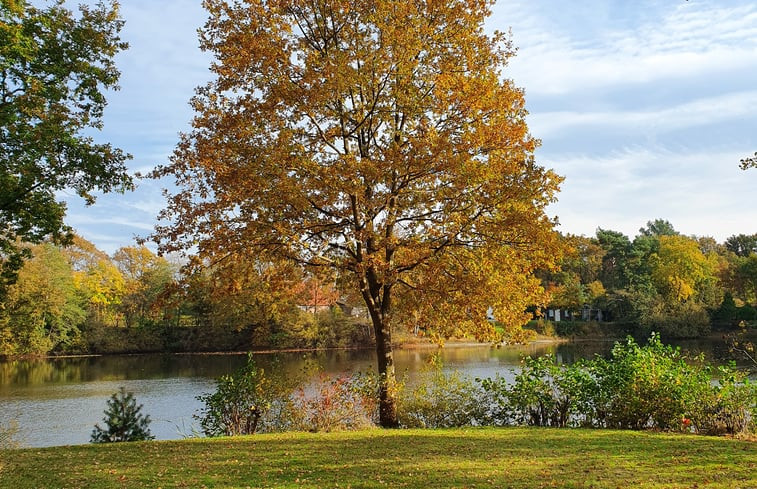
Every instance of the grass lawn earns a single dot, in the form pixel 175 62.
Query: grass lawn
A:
pixel 464 458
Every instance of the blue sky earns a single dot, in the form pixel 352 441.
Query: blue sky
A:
pixel 644 107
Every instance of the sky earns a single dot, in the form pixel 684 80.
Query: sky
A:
pixel 645 107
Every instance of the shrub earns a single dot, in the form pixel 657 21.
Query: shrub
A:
pixel 334 404
pixel 678 320
pixel 123 420
pixel 638 387
pixel 441 400
pixel 727 311
pixel 729 407
pixel 101 338
pixel 542 326
pixel 245 402
pixel 580 328
pixel 747 313
pixel 647 387
pixel 543 394
pixel 740 346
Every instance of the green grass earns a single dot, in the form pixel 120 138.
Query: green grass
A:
pixel 466 458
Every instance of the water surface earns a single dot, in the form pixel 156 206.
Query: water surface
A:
pixel 58 401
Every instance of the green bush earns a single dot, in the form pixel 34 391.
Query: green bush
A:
pixel 543 394
pixel 679 320
pixel 747 313
pixel 208 338
pixel 580 328
pixel 728 407
pixel 638 387
pixel 123 421
pixel 250 401
pixel 246 402
pixel 441 400
pixel 728 311
pixel 654 386
pixel 101 338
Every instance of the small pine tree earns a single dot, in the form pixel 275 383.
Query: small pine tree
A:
pixel 727 310
pixel 123 420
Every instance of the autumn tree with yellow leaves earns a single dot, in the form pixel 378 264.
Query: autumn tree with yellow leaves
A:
pixel 377 139
pixel 679 268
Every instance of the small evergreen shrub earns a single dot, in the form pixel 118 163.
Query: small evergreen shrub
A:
pixel 728 311
pixel 123 420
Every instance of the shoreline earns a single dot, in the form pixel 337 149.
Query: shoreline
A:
pixel 414 345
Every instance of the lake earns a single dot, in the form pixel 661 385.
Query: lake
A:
pixel 57 401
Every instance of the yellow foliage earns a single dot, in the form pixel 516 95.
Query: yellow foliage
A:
pixel 378 139
pixel 595 290
pixel 372 137
pixel 679 267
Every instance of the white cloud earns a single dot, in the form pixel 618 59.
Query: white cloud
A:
pixel 700 193
pixel 91 221
pixel 160 72
pixel 645 107
pixel 710 110
pixel 683 42
pixel 151 206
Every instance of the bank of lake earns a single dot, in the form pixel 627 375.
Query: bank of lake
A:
pixel 57 401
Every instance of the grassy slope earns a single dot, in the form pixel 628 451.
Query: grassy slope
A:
pixel 490 457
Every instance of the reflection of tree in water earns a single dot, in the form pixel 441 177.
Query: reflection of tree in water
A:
pixel 27 372
pixel 569 353
pixel 72 370
pixel 30 372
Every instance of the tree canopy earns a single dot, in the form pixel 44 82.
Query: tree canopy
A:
pixel 376 139
pixel 54 69
pixel 742 244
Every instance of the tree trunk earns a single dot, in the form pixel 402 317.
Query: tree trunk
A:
pixel 387 378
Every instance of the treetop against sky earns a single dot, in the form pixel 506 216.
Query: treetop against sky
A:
pixel 644 107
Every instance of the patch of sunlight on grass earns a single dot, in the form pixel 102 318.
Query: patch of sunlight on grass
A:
pixel 481 457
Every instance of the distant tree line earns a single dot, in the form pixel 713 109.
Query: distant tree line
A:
pixel 660 280
pixel 78 299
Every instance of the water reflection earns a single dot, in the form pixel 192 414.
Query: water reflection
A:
pixel 58 401
pixel 113 368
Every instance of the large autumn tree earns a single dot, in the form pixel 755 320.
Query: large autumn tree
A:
pixel 378 139
pixel 55 67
